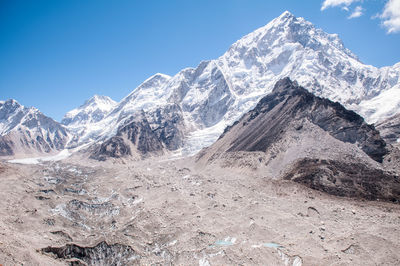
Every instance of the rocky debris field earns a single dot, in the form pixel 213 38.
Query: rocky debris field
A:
pixel 171 212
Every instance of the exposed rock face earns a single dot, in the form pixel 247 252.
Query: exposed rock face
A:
pixel 101 254
pixel 346 179
pixel 114 147
pixel 295 135
pixel 6 147
pixel 168 124
pixel 136 137
pixel 139 133
pixel 390 129
pixel 26 130
pixel 289 102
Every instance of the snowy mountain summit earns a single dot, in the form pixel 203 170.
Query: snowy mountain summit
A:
pixel 92 111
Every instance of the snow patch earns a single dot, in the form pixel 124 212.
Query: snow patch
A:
pixel 36 160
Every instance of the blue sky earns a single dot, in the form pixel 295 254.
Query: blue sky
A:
pixel 56 54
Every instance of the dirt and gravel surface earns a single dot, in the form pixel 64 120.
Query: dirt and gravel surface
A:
pixel 161 212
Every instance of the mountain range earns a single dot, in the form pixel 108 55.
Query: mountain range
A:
pixel 186 112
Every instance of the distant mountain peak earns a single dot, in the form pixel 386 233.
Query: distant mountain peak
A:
pixel 26 130
pixel 11 102
pixel 93 110
pixel 99 100
pixel 286 14
pixel 285 17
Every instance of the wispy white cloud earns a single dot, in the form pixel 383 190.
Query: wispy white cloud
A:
pixel 358 12
pixel 335 3
pixel 391 16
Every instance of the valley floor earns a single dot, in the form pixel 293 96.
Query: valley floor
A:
pixel 168 212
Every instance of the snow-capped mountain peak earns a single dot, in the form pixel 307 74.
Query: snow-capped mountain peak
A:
pixel 26 130
pixel 147 95
pixel 93 110
pixel 99 100
pixel 11 115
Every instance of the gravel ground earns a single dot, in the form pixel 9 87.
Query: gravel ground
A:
pixel 174 212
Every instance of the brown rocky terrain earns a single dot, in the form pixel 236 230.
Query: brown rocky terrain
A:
pixel 164 211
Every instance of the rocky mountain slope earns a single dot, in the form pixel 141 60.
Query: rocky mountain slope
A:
pixel 295 135
pixel 218 92
pixel 25 131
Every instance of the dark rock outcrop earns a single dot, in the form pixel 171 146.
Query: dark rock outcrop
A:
pixel 346 179
pixel 289 102
pixel 136 134
pixel 168 124
pixel 101 254
pixel 114 147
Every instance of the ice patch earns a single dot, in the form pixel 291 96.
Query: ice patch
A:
pixel 201 138
pixel 272 245
pixel 229 241
pixel 223 243
pixel 58 157
pixel 268 245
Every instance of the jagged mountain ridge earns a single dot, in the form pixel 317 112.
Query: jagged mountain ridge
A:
pixel 27 131
pixel 216 93
pixel 295 135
